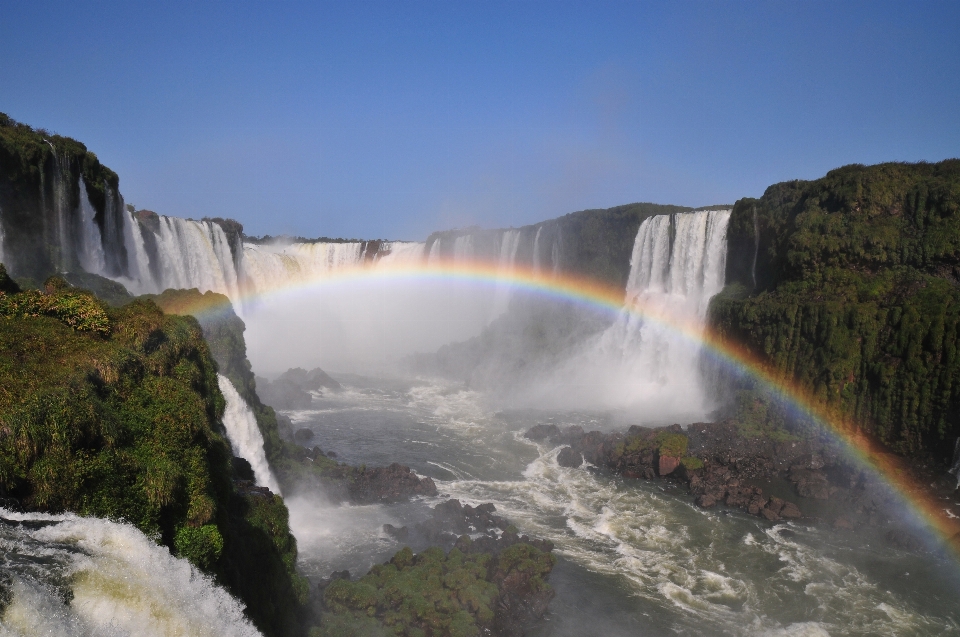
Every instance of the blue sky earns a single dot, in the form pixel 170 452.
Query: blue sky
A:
pixel 393 119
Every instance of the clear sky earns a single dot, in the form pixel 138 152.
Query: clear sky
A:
pixel 392 119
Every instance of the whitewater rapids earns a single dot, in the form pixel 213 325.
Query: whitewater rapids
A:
pixel 71 576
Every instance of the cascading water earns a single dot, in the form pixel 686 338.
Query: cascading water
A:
pixel 90 247
pixel 955 468
pixel 509 244
pixel 244 434
pixel 678 264
pixel 278 265
pixel 74 576
pixel 193 254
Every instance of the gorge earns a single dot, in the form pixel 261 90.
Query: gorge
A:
pixel 447 351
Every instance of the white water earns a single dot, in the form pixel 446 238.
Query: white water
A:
pixel 645 366
pixel 139 276
pixel 647 561
pixel 273 266
pixel 122 583
pixel 90 249
pixel 195 254
pixel 244 434
pixel 509 244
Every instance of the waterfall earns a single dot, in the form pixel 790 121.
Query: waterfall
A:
pixel 244 434
pixel 536 251
pixel 272 266
pixel 2 253
pixel 89 247
pixel 642 361
pixel 678 264
pixel 86 577
pixel 509 244
pixel 955 469
pixel 193 254
pixel 138 261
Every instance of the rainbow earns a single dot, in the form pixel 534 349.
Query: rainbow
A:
pixel 926 512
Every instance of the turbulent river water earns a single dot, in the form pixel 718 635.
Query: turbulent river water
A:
pixel 636 557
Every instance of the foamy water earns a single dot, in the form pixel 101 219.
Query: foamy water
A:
pixel 79 577
pixel 667 566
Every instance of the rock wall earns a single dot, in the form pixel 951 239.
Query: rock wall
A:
pixel 849 285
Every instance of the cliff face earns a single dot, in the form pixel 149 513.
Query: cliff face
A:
pixel 849 285
pixel 116 413
pixel 53 194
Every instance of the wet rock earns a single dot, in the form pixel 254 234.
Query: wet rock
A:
pixel 790 511
pixel 776 505
pixel 336 575
pixel 401 533
pixel 769 514
pixel 390 484
pixel 667 465
pixel 542 432
pixel 810 484
pixel 705 501
pixel 902 539
pixel 242 469
pixel 569 458
pixel 303 436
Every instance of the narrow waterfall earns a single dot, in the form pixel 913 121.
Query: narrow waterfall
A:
pixel 509 244
pixel 89 246
pixel 244 434
pixel 955 468
pixel 86 577
pixel 139 274
pixel 536 251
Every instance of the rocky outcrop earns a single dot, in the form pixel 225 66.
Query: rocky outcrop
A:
pixel 848 286
pixel 292 389
pixel 493 580
pixel 389 484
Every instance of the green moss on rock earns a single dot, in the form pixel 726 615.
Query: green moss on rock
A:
pixel 122 420
pixel 855 295
pixel 431 594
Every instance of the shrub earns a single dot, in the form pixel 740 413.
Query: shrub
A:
pixel 201 545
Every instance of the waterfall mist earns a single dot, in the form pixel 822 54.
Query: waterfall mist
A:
pixel 647 367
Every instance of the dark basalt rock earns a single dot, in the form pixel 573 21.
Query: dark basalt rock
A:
pixel 303 436
pixel 569 458
pixel 401 533
pixel 718 459
pixel 242 469
pixel 542 432
pixel 389 484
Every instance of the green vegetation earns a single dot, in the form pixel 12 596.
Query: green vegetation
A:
pixel 691 463
pixel 856 296
pixel 665 443
pixel 80 310
pixel 431 594
pixel 115 412
pixel 223 330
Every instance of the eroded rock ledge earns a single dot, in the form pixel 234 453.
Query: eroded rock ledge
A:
pixel 723 466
